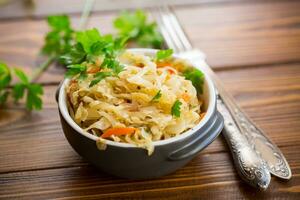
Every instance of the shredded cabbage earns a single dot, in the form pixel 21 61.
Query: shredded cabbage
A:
pixel 126 101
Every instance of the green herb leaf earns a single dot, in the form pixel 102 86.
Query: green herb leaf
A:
pixel 75 56
pixel 98 77
pixel 33 100
pixel 21 75
pixel 5 76
pixel 59 22
pixel 34 91
pixel 59 40
pixel 88 38
pixel 176 108
pixel 157 96
pixel 76 69
pixel 18 91
pixel 112 64
pixel 163 54
pixel 136 28
pixel 196 77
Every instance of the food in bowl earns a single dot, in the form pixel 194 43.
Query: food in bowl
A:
pixel 152 98
pixel 129 161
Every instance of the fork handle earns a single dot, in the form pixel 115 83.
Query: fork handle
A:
pixel 264 147
pixel 251 168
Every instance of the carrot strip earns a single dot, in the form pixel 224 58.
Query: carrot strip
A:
pixel 185 97
pixel 118 132
pixel 163 64
pixel 93 70
pixel 171 71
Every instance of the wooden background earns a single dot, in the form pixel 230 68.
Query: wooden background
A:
pixel 254 46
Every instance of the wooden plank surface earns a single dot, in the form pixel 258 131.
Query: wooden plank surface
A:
pixel 255 48
pixel 236 35
pixel 208 176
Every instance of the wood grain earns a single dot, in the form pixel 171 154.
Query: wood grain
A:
pixel 237 35
pixel 209 175
pixel 255 48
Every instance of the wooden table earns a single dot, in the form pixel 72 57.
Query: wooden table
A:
pixel 254 46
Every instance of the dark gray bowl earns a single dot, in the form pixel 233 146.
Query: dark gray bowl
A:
pixel 128 161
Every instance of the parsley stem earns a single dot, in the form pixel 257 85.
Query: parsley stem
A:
pixel 43 67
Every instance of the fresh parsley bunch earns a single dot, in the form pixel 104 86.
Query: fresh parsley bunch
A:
pixel 90 45
pixel 136 27
pixel 22 88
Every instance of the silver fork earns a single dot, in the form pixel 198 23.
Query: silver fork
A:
pixel 254 154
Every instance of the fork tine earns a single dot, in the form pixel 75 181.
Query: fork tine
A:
pixel 170 29
pixel 180 32
pixel 158 18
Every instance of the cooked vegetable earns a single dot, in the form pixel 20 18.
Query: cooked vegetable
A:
pixel 185 97
pixel 158 103
pixel 118 132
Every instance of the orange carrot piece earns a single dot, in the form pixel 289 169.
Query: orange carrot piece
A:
pixel 163 64
pixel 185 97
pixel 118 132
pixel 93 70
pixel 171 71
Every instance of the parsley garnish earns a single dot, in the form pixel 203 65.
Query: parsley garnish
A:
pixel 163 54
pixel 157 96
pixel 90 44
pixel 136 28
pixel 99 76
pixel 75 70
pixel 196 77
pixel 176 108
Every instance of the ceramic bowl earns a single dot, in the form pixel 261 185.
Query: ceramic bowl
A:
pixel 128 161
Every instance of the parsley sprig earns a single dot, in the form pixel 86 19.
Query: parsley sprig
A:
pixel 176 108
pixel 196 77
pixel 157 96
pixel 136 27
pixel 163 54
pixel 90 45
pixel 22 88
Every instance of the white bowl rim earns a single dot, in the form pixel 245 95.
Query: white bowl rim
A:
pixel 210 110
